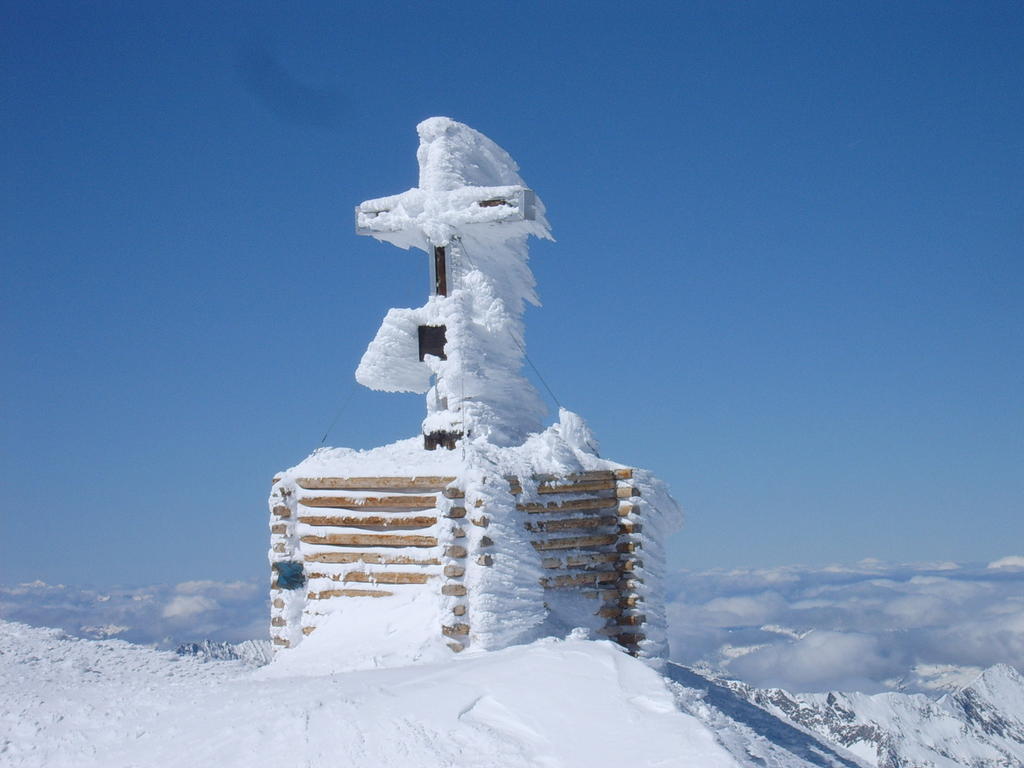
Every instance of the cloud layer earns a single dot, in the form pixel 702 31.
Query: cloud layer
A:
pixel 163 615
pixel 872 626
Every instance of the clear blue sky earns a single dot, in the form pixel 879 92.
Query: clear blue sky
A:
pixel 789 274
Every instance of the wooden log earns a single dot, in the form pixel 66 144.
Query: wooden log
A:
pixel 607 595
pixel 280 547
pixel 329 593
pixel 485 560
pixel 627 492
pixel 453 590
pixel 278 621
pixel 581 561
pixel 627 546
pixel 375 522
pixel 456 512
pixel 454 571
pixel 371 558
pixel 459 610
pixel 631 621
pixel 628 527
pixel 583 486
pixel 425 483
pixel 577 477
pixel 308 630
pixel 279 528
pixel 281 642
pixel 575 542
pixel 281 510
pixel 630 601
pixel 455 630
pixel 277 602
pixel 454 493
pixel 576 482
pixel 456 646
pixel 458 533
pixel 572 523
pixel 609 612
pixel 629 638
pixel 627 508
pixel 570 505
pixel 631 564
pixel 630 585
pixel 623 474
pixel 579 579
pixel 370 540
pixel 369 502
pixel 481 522
pixel 455 551
pixel 486 541
pixel 380 577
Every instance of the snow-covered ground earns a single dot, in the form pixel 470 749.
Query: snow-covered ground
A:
pixel 72 702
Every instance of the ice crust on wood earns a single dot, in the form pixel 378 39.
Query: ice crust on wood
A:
pixel 507 603
pixel 472 202
pixel 490 281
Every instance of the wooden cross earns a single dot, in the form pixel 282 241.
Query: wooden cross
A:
pixel 431 219
pixel 414 218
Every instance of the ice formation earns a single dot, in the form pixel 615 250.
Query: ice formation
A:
pixel 473 206
pixel 488 530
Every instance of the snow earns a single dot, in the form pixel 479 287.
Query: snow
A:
pixel 472 214
pixel 506 601
pixel 391 632
pixel 478 389
pixel 980 725
pixel 554 703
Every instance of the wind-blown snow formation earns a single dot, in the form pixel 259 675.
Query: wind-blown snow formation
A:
pixel 479 389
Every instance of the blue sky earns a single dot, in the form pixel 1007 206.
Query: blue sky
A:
pixel 789 274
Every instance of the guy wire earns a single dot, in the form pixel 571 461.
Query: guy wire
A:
pixel 341 410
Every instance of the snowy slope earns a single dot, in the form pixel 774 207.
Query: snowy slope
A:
pixel 980 725
pixel 72 702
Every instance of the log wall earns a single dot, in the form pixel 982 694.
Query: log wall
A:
pixel 360 538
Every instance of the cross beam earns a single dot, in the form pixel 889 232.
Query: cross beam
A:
pixel 431 219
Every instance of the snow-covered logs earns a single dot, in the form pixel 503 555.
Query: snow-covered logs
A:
pixel 339 538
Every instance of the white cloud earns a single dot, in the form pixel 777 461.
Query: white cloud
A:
pixel 1012 561
pixel 162 614
pixel 863 625
pixel 182 606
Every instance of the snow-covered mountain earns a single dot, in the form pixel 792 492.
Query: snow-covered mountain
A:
pixel 253 652
pixel 66 701
pixel 980 725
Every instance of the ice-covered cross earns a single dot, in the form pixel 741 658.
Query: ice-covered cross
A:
pixel 472 214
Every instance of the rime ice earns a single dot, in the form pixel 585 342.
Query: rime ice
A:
pixel 487 530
